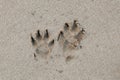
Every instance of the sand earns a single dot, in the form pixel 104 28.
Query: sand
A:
pixel 99 58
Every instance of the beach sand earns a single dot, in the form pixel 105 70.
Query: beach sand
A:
pixel 98 59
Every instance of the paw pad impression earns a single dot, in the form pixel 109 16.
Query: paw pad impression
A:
pixel 42 43
pixel 71 36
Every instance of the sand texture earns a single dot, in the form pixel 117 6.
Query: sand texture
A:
pixel 96 58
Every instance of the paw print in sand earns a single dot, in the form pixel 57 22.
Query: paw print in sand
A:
pixel 42 44
pixel 70 37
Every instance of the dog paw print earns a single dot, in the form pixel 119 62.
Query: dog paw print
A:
pixel 42 44
pixel 71 36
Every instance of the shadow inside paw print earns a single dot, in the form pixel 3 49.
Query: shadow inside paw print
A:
pixel 42 44
pixel 70 37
